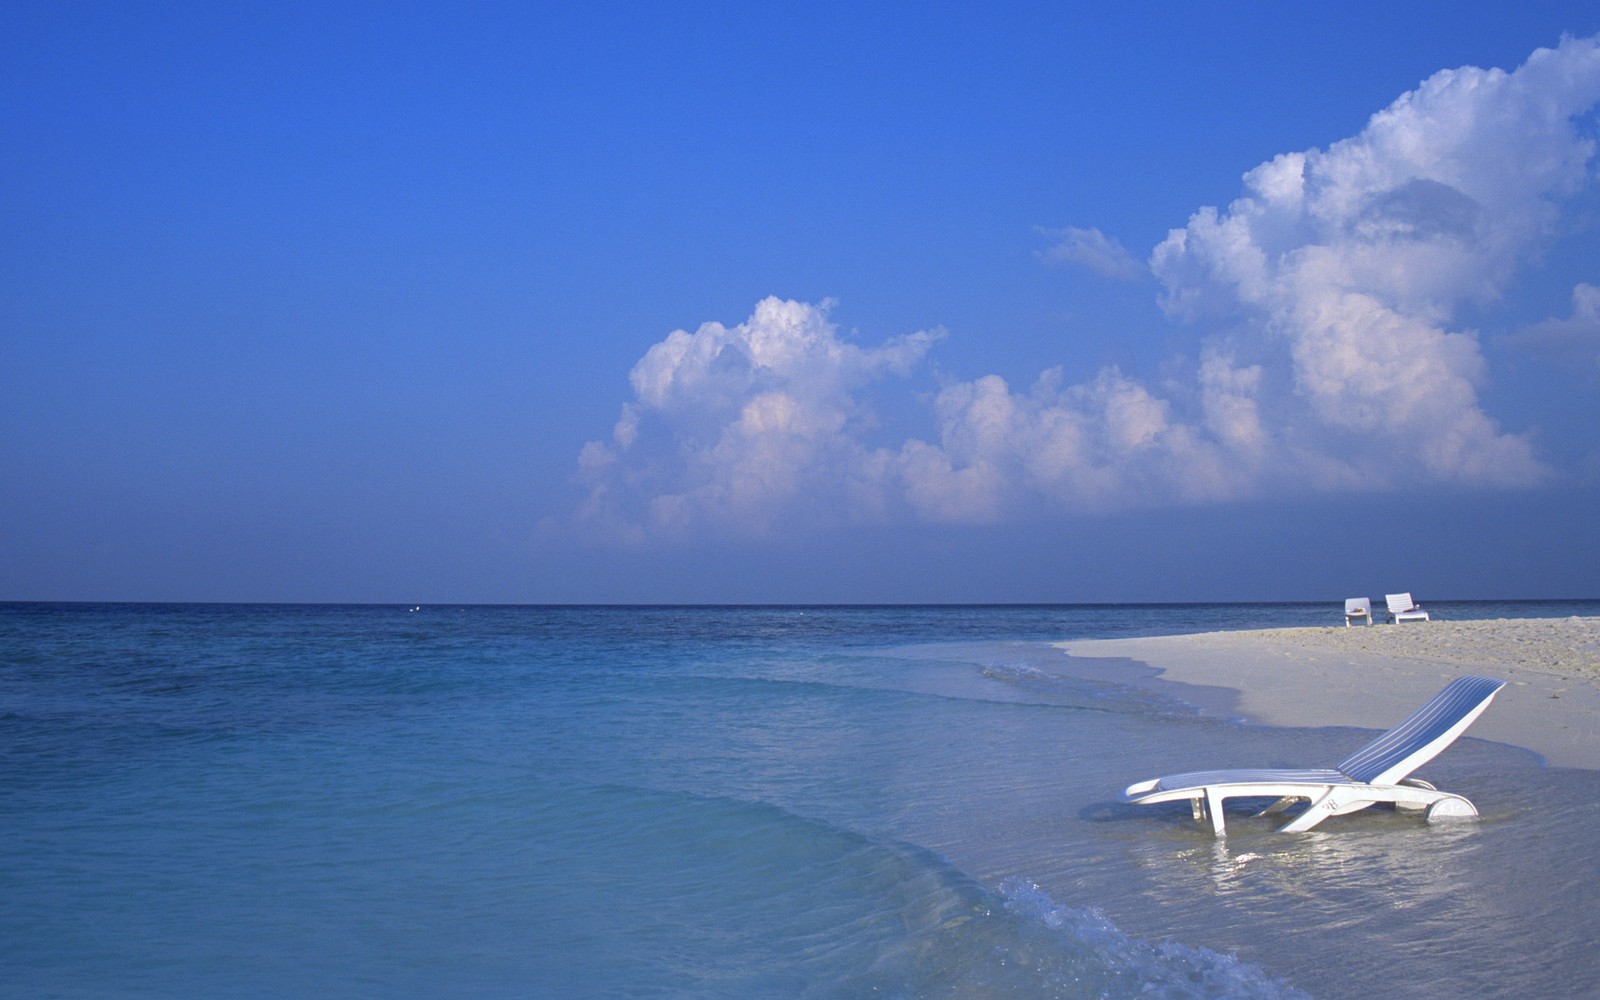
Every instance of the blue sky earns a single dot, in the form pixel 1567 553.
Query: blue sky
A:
pixel 795 303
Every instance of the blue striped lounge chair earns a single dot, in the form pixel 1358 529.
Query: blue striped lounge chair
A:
pixel 1376 773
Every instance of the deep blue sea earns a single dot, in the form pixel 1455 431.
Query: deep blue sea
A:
pixel 371 801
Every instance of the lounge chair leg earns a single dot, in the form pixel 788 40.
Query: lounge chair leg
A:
pixel 1325 805
pixel 1214 807
pixel 1278 806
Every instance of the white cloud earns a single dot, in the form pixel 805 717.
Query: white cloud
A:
pixel 754 423
pixel 1100 445
pixel 1576 337
pixel 1355 259
pixel 1092 249
pixel 1336 276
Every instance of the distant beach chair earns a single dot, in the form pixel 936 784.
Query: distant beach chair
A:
pixel 1375 773
pixel 1403 609
pixel 1357 607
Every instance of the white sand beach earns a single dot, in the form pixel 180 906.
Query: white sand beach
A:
pixel 1373 676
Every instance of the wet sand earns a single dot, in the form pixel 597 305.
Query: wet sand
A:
pixel 1373 676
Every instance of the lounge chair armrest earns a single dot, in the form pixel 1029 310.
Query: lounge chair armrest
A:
pixel 1140 788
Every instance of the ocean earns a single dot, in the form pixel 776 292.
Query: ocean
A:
pixel 443 801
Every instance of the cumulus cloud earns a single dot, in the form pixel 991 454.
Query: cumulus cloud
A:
pixel 1575 337
pixel 752 423
pixel 1106 443
pixel 1092 249
pixel 1328 292
pixel 1355 259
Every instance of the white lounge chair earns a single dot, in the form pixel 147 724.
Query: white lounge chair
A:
pixel 1403 609
pixel 1357 608
pixel 1375 773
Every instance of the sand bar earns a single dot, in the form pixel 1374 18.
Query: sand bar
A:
pixel 1373 676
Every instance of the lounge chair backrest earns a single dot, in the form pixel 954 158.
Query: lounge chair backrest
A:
pixel 1358 606
pixel 1419 738
pixel 1399 602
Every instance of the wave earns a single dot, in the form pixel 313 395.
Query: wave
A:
pixel 708 896
pixel 1109 963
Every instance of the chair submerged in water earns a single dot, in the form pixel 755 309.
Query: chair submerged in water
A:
pixel 1375 773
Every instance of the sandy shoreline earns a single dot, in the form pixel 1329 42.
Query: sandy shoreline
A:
pixel 1373 676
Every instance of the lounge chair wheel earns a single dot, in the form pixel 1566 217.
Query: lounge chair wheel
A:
pixel 1451 808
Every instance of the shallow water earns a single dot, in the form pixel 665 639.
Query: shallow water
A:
pixel 232 801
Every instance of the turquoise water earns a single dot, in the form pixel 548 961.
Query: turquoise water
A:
pixel 645 802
